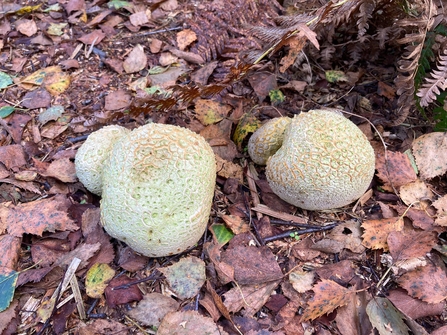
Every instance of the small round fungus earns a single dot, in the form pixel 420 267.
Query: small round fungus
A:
pixel 267 139
pixel 92 154
pixel 325 162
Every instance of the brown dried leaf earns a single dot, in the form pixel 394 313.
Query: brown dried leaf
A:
pixel 397 170
pixel 349 233
pixel 12 156
pixel 188 323
pixel 430 152
pixel 185 38
pixel 236 224
pixel 210 112
pixel 251 298
pixel 416 194
pixel 228 169
pixel 414 308
pixel 328 296
pixel 376 232
pixel 62 169
pixel 410 244
pixel 152 309
pixel 10 251
pixel 26 27
pixel 428 283
pixel 38 216
pixel 136 61
pixel 252 265
pixel 117 100
pixel 125 295
pixel 96 36
pixel 441 206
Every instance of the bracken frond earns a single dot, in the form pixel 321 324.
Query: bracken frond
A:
pixel 438 81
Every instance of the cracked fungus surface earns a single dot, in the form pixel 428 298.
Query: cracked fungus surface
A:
pixel 158 189
pixel 325 162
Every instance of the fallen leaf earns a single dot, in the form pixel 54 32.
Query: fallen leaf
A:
pixel 188 323
pixel 39 98
pixel 62 169
pixel 414 308
pixel 136 60
pixel 302 280
pixel 430 152
pixel 385 317
pixel 222 235
pixel 185 38
pixel 152 309
pixel 96 36
pixel 117 100
pixel 167 59
pixel 120 296
pixel 376 232
pixel 209 111
pixel 252 265
pixel 328 296
pixel 57 82
pixel 186 277
pixel 416 194
pixel 351 319
pixel 12 156
pixel 97 278
pixel 8 315
pixel 349 233
pixel 250 298
pixel 428 283
pixel 396 170
pixel 228 169
pixel 236 224
pixel 26 27
pixel 246 125
pixel 410 244
pixel 139 18
pixel 441 215
pixel 38 216
pixel 263 83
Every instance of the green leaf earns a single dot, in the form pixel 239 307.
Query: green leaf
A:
pixel 6 111
pixel 117 4
pixel 5 80
pixel 385 317
pixel 222 234
pixel 276 97
pixel 333 76
pixel 7 289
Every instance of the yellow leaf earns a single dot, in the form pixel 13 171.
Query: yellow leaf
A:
pixel 247 124
pixel 97 278
pixel 210 112
pixel 38 76
pixel 28 9
pixel 56 83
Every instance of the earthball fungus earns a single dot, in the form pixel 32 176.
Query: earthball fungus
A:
pixel 324 162
pixel 157 189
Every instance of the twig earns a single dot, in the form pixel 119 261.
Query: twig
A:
pixel 299 232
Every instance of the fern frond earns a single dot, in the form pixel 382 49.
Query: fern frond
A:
pixel 438 81
pixel 365 14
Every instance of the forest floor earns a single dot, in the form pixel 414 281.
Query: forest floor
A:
pixel 221 69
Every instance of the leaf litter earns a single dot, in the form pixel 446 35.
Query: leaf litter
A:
pixel 93 64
